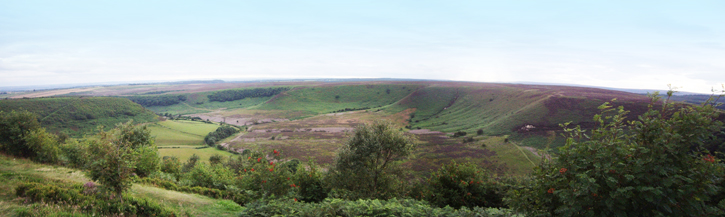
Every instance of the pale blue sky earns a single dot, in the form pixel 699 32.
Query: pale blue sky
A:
pixel 626 44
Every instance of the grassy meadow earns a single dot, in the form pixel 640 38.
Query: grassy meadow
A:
pixel 182 139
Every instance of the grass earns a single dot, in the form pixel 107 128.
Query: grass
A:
pixel 14 171
pixel 496 111
pixel 327 99
pixel 181 138
pixel 180 132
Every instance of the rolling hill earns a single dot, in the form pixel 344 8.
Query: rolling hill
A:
pixel 76 116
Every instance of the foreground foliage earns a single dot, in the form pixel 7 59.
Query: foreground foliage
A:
pixel 87 199
pixel 653 166
pixel 120 155
pixel 339 207
pixel 461 185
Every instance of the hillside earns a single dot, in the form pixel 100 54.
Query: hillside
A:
pixel 76 116
pixel 504 123
pixel 697 99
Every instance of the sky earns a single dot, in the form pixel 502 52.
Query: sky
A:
pixel 622 44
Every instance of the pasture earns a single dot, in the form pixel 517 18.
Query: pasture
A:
pixel 182 139
pixel 180 132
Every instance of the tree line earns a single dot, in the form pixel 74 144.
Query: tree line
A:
pixel 160 100
pixel 231 95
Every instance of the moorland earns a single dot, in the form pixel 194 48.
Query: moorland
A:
pixel 204 139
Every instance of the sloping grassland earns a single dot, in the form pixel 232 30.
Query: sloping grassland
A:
pixel 76 116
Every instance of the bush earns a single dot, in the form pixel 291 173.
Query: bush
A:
pixel 75 153
pixel 190 164
pixel 266 177
pixel 654 166
pixel 461 185
pixel 459 134
pixel 22 136
pixel 309 184
pixel 216 159
pixel 171 165
pixel 43 144
pixel 73 195
pixel 338 207
pixel 214 176
pixel 147 161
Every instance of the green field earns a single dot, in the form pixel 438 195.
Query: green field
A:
pixel 180 132
pixel 182 139
pixel 78 116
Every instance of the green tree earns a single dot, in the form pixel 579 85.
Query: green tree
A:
pixel 368 159
pixel 652 166
pixel 14 126
pixel 190 164
pixel 43 145
pixel 120 153
pixel 21 135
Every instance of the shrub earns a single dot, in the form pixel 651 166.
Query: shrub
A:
pixel 119 153
pixel 653 166
pixel 461 185
pixel 44 145
pixel 214 176
pixel 147 161
pixel 459 134
pixel 215 159
pixel 75 153
pixel 190 164
pixel 13 128
pixel 171 165
pixel 266 177
pixel 22 136
pixel 309 184
pixel 73 195
pixel 338 207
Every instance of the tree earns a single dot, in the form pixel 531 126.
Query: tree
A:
pixel 119 153
pixel 367 158
pixel 14 126
pixel 190 164
pixel 653 166
pixel 21 135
